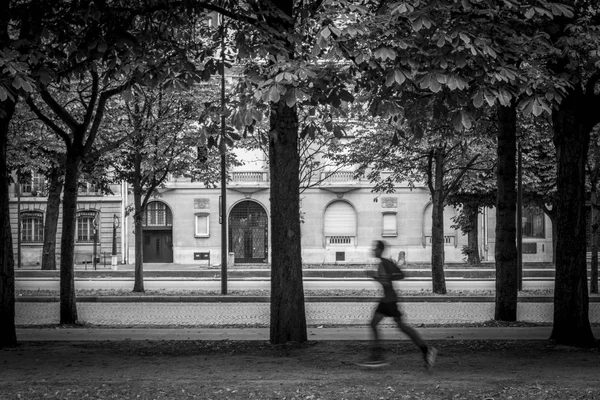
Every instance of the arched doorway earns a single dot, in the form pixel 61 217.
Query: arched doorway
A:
pixel 158 233
pixel 249 232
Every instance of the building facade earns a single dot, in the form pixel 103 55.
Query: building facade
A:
pixel 100 219
pixel 341 217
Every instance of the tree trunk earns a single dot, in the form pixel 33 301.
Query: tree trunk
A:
pixel 506 234
pixel 68 306
pixel 571 302
pixel 438 279
pixel 138 285
pixel 288 317
pixel 8 333
pixel 473 257
pixel 594 238
pixel 51 223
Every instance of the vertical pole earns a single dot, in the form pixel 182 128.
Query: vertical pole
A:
pixel 95 242
pixel 223 150
pixel 113 258
pixel 519 217
pixel 124 235
pixel 114 236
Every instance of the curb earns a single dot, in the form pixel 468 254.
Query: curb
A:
pixel 266 299
pixel 346 333
pixel 265 274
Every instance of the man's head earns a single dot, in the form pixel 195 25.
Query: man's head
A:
pixel 378 248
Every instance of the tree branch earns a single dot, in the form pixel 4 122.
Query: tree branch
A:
pixel 59 110
pixel 90 106
pixel 104 96
pixel 430 172
pixel 57 129
pixel 105 149
pixel 458 178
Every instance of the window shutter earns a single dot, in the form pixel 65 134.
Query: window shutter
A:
pixel 389 224
pixel 340 219
pixel 202 224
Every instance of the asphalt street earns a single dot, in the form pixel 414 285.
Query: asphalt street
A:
pixel 261 284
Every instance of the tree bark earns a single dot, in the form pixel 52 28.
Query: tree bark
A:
pixel 571 302
pixel 68 306
pixel 473 257
pixel 288 317
pixel 8 333
pixel 594 249
pixel 51 223
pixel 506 248
pixel 438 279
pixel 138 215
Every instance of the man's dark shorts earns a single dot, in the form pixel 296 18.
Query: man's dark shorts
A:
pixel 389 309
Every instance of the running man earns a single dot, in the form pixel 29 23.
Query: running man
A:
pixel 386 273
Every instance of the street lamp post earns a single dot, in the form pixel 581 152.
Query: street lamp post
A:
pixel 116 224
pixel 223 150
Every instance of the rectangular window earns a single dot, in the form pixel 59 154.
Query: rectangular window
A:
pixel 86 188
pixel 389 224
pixel 35 186
pixel 85 227
pixel 202 225
pixel 533 224
pixel 32 227
pixel 39 183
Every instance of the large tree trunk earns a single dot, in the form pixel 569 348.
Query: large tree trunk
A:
pixel 473 258
pixel 68 307
pixel 288 317
pixel 571 302
pixel 8 334
pixel 138 285
pixel 438 279
pixel 506 234
pixel 51 223
pixel 554 238
pixel 594 238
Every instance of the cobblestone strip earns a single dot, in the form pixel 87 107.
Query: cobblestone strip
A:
pixel 257 314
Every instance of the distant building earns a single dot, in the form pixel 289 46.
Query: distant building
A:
pixel 341 218
pixel 96 215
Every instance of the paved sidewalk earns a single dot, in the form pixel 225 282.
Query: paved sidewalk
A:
pixel 258 314
pixel 262 334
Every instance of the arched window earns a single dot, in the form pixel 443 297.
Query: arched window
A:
pixel 86 223
pixel 158 214
pixel 32 227
pixel 340 223
pixel 533 225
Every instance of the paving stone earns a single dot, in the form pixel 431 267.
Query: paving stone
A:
pixel 257 314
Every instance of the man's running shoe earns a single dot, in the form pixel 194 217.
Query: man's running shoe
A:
pixel 430 356
pixel 373 363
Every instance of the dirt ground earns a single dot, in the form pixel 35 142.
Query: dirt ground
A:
pixel 206 370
